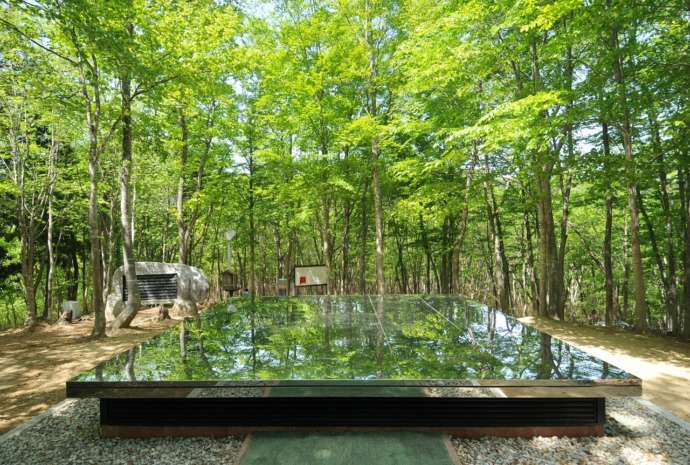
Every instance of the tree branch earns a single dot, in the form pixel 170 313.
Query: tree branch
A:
pixel 37 43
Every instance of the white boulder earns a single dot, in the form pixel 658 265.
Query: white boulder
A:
pixel 192 287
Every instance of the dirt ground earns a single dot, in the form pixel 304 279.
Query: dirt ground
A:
pixel 35 366
pixel 663 363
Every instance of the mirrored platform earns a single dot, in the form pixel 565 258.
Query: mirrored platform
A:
pixel 353 346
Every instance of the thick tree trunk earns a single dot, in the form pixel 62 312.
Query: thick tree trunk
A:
pixel 548 261
pixel 124 319
pixel 551 281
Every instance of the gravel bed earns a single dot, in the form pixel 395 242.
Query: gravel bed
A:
pixel 69 435
pixel 635 435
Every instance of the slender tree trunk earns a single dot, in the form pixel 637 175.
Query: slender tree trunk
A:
pixel 561 289
pixel 670 287
pixel 399 240
pixel 109 248
pixel 72 271
pixel 608 262
pixel 345 264
pixel 363 240
pixel 626 130
pixel 252 227
pixel 686 253
pixel 326 242
pixel 28 279
pixel 129 262
pixel 626 268
pixel 378 218
pixel 94 239
pixel 26 219
pixel 500 269
pixel 375 151
pixel 95 233
pixel 48 300
pixel 446 255
pixel 182 233
pixel 462 226
pixel 533 279
pixel 502 263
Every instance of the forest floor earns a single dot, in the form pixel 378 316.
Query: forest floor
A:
pixel 663 363
pixel 34 366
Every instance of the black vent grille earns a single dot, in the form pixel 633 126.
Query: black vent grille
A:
pixel 154 287
pixel 353 411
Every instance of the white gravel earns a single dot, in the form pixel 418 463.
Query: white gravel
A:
pixel 636 435
pixel 69 435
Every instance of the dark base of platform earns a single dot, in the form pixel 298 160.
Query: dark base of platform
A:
pixel 468 417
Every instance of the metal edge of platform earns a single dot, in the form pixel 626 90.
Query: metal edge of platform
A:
pixel 114 431
pixel 517 388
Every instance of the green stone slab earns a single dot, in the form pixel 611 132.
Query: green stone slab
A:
pixel 393 448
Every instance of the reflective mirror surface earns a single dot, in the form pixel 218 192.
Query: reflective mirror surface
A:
pixel 352 339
